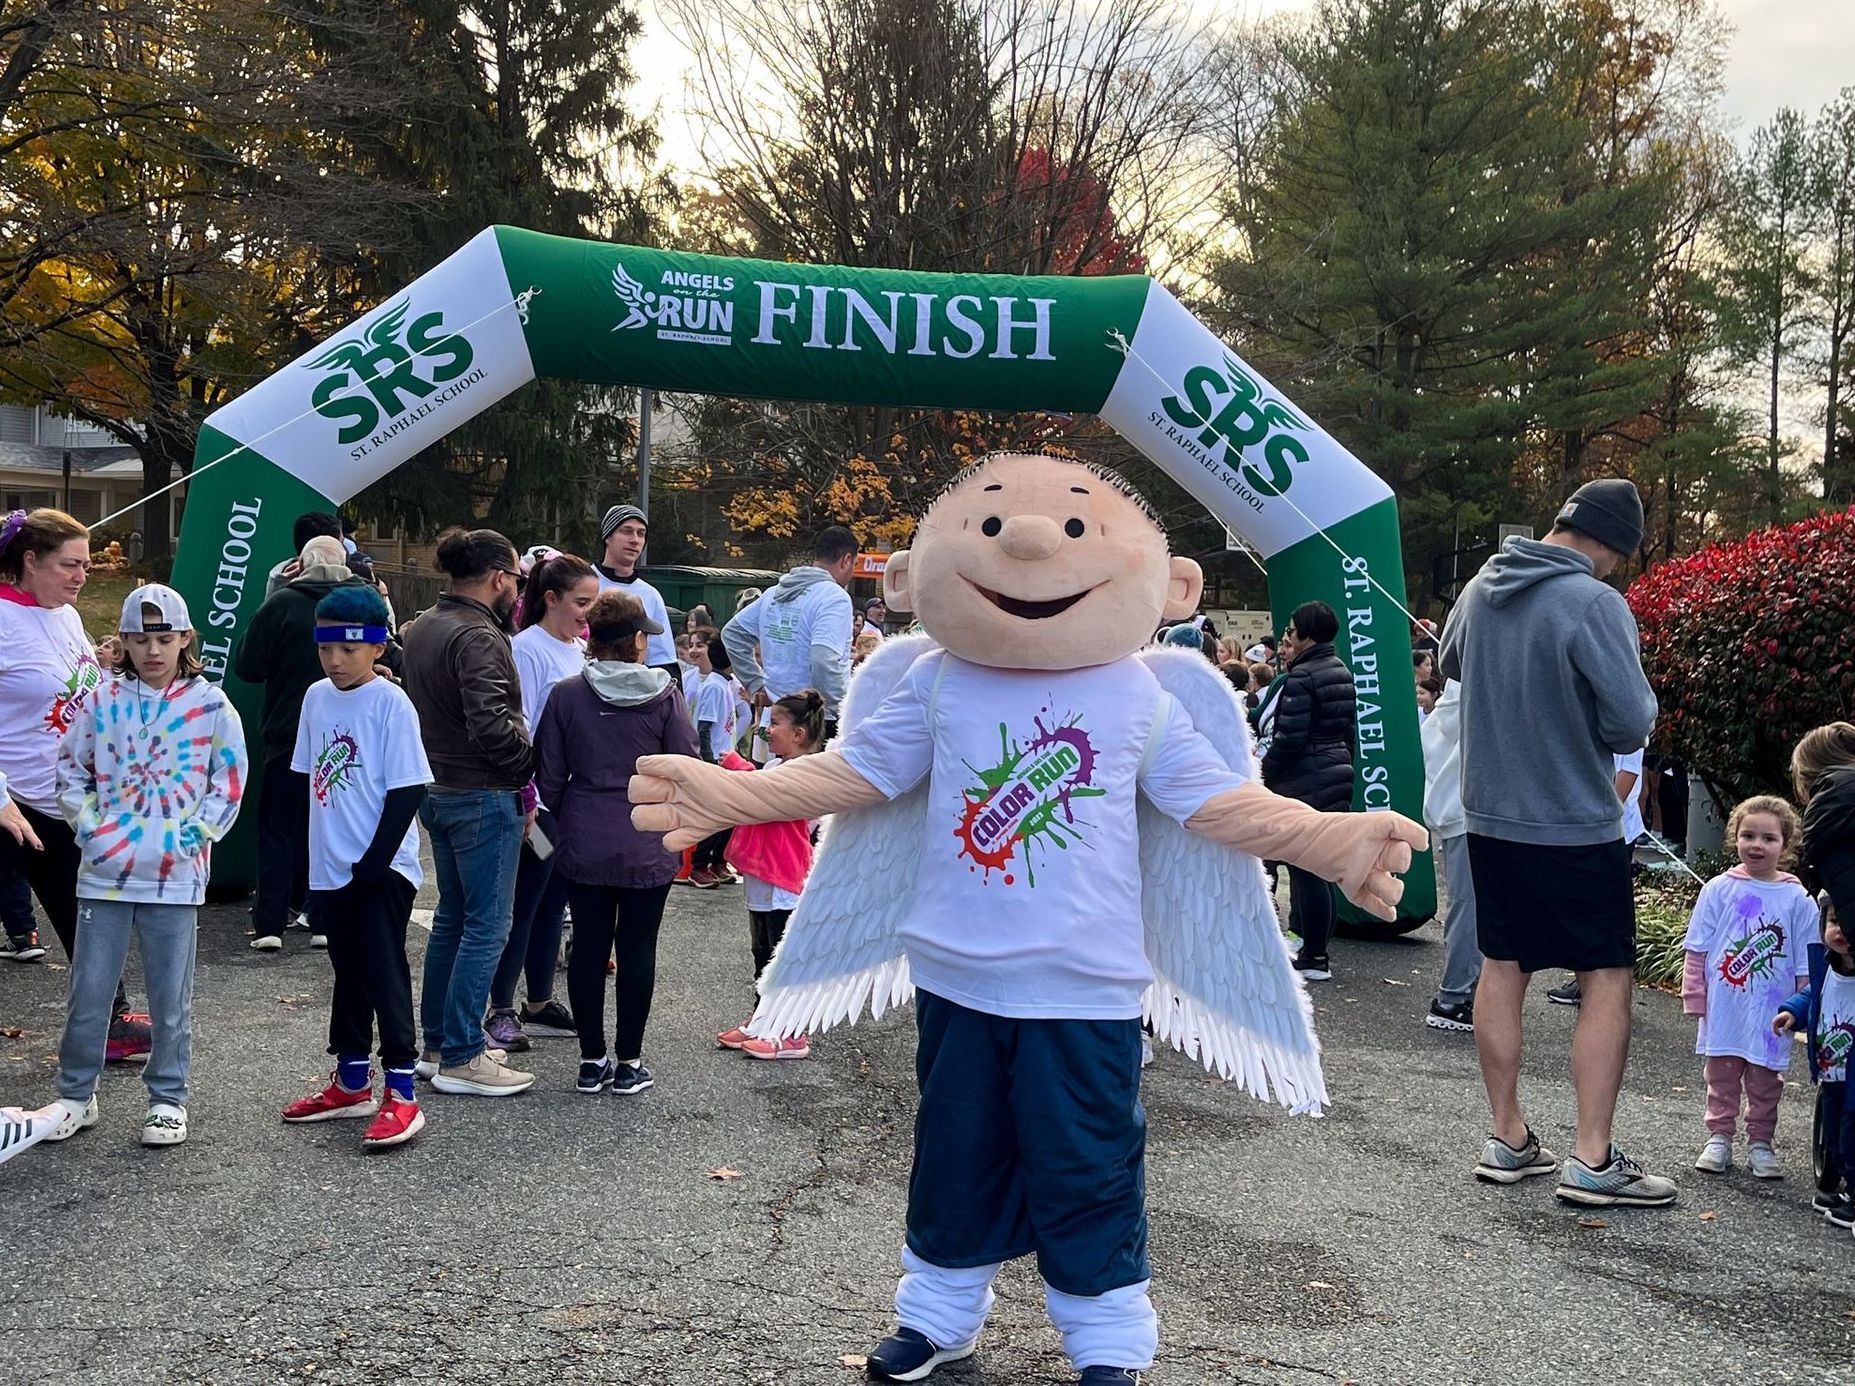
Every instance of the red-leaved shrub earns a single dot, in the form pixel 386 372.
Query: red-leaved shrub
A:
pixel 1749 645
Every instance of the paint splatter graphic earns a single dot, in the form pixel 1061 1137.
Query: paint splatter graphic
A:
pixel 336 762
pixel 1832 1050
pixel 84 679
pixel 1754 955
pixel 1026 804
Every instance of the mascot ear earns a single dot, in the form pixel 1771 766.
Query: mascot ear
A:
pixel 895 591
pixel 1185 585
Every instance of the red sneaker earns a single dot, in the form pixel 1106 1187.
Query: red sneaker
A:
pixel 793 1047
pixel 732 1039
pixel 131 1036
pixel 331 1103
pixel 399 1121
pixel 703 879
pixel 688 865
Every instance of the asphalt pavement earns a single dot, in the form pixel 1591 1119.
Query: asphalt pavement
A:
pixel 740 1223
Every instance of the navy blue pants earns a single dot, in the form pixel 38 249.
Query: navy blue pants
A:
pixel 1030 1138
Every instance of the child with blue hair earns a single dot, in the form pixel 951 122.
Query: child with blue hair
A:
pixel 358 741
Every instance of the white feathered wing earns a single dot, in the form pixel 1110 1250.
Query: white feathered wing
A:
pixel 841 950
pixel 1224 990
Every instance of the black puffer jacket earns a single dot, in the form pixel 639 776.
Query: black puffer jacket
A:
pixel 1829 839
pixel 1311 755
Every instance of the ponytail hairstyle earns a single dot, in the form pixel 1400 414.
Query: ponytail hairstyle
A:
pixel 805 710
pixel 468 555
pixel 1821 750
pixel 39 533
pixel 558 572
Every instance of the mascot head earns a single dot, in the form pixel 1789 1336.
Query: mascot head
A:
pixel 1033 562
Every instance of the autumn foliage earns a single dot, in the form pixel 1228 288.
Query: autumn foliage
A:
pixel 1748 646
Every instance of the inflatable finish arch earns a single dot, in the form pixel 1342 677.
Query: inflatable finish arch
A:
pixel 513 304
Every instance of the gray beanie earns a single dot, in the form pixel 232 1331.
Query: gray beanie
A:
pixel 617 516
pixel 1609 511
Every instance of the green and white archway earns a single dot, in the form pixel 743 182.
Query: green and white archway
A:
pixel 512 305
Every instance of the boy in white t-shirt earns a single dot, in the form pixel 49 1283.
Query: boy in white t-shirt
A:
pixel 358 741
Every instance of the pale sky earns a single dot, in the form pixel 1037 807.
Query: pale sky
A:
pixel 1784 52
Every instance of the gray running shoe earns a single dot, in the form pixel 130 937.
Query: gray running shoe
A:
pixel 1618 1182
pixel 1502 1164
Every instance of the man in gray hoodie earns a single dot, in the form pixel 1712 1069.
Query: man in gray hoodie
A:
pixel 798 635
pixel 1552 689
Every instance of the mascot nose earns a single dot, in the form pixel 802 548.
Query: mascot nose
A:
pixel 1030 537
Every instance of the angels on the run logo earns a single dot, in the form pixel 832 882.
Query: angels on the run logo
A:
pixel 684 307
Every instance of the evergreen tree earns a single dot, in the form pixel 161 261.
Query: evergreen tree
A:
pixel 520 119
pixel 1448 244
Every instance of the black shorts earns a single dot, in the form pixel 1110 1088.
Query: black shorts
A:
pixel 1541 907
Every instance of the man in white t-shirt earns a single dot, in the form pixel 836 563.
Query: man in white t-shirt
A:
pixel 798 635
pixel 1032 726
pixel 623 531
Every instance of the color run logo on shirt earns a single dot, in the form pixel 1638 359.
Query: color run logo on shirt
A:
pixel 335 762
pixel 84 679
pixel 1028 798
pixel 1754 955
pixel 1832 1050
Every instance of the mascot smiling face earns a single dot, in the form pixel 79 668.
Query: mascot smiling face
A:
pixel 1033 562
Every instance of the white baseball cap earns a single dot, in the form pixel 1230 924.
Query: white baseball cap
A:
pixel 166 600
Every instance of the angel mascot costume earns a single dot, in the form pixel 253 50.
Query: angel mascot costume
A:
pixel 1044 832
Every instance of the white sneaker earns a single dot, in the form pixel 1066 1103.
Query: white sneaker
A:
pixel 299 920
pixel 318 941
pixel 1716 1156
pixel 427 1067
pixel 77 1115
pixel 266 943
pixel 1764 1161
pixel 165 1124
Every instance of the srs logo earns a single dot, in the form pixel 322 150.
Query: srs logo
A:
pixel 1229 408
pixel 377 376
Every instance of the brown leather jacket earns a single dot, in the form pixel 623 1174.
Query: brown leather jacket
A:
pixel 460 675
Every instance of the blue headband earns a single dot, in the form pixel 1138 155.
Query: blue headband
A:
pixel 351 635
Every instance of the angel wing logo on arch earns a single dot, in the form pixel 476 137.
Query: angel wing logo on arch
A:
pixel 633 297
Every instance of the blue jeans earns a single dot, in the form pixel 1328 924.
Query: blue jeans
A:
pixel 166 936
pixel 476 835
pixel 534 931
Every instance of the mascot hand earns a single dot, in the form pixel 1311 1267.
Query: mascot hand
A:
pixel 1368 849
pixel 1359 852
pixel 680 797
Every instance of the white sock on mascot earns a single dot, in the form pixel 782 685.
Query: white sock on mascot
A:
pixel 1043 832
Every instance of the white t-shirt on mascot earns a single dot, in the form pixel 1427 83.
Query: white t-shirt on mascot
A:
pixel 1028 901
pixel 355 745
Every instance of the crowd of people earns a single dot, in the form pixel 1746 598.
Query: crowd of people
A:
pixel 507 721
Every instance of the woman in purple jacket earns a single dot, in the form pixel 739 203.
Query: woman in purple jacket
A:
pixel 593 729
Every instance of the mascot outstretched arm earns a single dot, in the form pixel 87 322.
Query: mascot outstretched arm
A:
pixel 1070 829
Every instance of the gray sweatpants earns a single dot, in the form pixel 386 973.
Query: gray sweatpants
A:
pixel 167 936
pixel 1461 951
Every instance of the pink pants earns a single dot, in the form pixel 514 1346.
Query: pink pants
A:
pixel 1727 1077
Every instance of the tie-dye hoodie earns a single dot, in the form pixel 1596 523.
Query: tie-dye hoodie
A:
pixel 149 780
